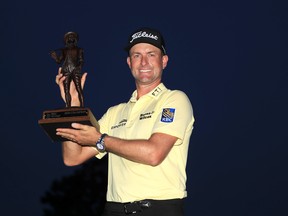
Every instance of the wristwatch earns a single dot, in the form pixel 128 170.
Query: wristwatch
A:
pixel 100 144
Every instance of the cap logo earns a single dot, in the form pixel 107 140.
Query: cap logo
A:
pixel 143 34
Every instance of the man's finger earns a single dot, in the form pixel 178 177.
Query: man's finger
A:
pixel 78 126
pixel 83 79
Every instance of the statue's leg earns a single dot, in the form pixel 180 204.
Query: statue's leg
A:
pixel 77 81
pixel 66 83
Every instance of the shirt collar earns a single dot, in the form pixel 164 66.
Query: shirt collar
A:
pixel 154 93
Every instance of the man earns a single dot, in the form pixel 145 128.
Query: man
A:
pixel 146 138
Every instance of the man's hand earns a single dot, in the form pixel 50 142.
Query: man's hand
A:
pixel 84 135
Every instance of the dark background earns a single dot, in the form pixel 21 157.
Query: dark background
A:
pixel 228 56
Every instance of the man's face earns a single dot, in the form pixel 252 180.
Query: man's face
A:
pixel 146 63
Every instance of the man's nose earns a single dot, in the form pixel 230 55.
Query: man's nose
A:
pixel 144 60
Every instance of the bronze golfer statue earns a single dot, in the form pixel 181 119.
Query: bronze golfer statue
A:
pixel 73 59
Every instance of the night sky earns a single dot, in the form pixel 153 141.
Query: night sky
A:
pixel 230 59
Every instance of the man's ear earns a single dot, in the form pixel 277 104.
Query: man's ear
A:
pixel 129 61
pixel 164 61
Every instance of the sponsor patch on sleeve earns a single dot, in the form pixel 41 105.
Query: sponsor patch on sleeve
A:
pixel 168 115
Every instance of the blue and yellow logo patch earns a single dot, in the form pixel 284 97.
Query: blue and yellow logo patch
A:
pixel 168 115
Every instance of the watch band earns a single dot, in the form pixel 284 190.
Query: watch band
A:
pixel 100 144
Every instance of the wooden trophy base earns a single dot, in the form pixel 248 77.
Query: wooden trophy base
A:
pixel 62 118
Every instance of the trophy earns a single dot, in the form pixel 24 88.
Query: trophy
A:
pixel 71 57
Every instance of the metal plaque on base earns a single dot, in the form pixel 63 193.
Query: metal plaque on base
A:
pixel 63 118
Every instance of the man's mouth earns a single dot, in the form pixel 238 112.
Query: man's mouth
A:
pixel 144 71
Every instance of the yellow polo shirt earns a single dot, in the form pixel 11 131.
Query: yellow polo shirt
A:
pixel 164 111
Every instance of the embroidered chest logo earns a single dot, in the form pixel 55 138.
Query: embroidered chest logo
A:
pixel 156 91
pixel 168 115
pixel 146 115
pixel 120 124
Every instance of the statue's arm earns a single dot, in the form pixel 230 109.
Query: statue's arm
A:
pixel 81 57
pixel 57 58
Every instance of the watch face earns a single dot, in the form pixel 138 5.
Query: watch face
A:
pixel 100 146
